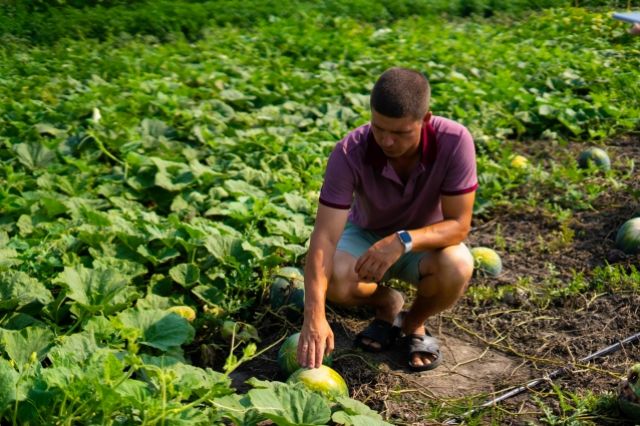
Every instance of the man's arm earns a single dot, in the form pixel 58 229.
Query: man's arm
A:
pixel 316 337
pixel 457 211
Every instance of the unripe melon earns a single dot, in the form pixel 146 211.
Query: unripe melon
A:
pixel 487 261
pixel 288 355
pixel 628 237
pixel 596 156
pixel 287 288
pixel 324 380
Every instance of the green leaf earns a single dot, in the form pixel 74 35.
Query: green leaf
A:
pixel 185 274
pixel 288 405
pixel 342 418
pixel 19 291
pixel 208 294
pixel 33 155
pixel 237 409
pixel 158 329
pixel 8 258
pixel 8 381
pixel 21 345
pixel 96 290
pixel 356 413
pixel 187 380
pixel 73 350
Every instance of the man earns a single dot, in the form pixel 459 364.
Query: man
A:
pixel 404 186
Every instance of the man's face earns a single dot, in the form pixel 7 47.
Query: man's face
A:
pixel 397 137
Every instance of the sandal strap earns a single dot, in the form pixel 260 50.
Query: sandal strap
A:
pixel 380 331
pixel 423 343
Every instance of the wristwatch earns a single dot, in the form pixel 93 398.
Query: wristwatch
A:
pixel 405 239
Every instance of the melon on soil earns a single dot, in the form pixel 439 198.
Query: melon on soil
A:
pixel 287 288
pixel 486 261
pixel 288 355
pixel 596 156
pixel 628 237
pixel 324 380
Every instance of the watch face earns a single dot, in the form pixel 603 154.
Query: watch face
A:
pixel 404 237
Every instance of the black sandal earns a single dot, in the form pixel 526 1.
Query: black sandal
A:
pixel 425 344
pixel 378 331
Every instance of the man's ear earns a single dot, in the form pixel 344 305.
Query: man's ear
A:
pixel 427 117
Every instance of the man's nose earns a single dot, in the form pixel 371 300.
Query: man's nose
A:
pixel 386 140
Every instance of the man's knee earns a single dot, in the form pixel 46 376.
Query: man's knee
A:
pixel 343 281
pixel 452 266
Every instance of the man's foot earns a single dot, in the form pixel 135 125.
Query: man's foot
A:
pixel 421 360
pixel 423 351
pixel 387 313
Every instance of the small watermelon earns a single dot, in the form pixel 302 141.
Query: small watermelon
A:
pixel 629 394
pixel 287 289
pixel 596 156
pixel 628 237
pixel 288 355
pixel 487 261
pixel 324 380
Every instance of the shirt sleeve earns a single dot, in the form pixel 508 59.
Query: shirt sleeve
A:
pixel 461 177
pixel 339 181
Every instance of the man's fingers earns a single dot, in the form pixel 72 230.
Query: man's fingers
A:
pixel 318 354
pixel 330 344
pixel 310 353
pixel 302 353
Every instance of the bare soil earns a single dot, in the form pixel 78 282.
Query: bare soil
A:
pixel 492 346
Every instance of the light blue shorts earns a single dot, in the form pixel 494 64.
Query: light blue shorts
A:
pixel 356 241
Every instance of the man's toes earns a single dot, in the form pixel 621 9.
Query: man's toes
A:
pixel 371 343
pixel 417 360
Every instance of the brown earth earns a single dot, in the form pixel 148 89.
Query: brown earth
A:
pixel 492 346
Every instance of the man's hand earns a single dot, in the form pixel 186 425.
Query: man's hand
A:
pixel 316 341
pixel 375 262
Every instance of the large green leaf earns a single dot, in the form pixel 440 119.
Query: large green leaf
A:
pixel 22 344
pixel 187 380
pixel 157 328
pixel 18 290
pixel 185 274
pixel 74 349
pixel 96 290
pixel 356 413
pixel 33 155
pixel 288 405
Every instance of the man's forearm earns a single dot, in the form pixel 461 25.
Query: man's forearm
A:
pixel 446 233
pixel 318 269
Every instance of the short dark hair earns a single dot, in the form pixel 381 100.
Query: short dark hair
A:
pixel 401 92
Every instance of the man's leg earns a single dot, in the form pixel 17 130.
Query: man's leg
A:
pixel 345 289
pixel 445 274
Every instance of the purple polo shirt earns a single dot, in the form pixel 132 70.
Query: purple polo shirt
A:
pixel 359 177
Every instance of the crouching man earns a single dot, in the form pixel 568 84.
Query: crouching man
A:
pixel 396 202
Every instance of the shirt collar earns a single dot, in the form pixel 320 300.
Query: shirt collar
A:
pixel 375 156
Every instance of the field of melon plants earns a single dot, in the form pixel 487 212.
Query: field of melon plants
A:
pixel 158 174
